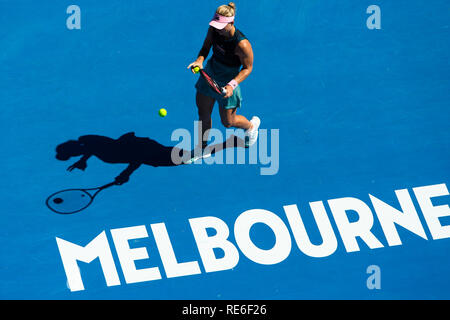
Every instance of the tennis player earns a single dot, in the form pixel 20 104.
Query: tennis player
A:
pixel 230 64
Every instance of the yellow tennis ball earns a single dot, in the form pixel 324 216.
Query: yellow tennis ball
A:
pixel 162 112
pixel 196 69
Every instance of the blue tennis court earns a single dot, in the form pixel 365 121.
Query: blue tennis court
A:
pixel 344 196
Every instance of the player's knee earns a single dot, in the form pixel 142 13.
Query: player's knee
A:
pixel 227 123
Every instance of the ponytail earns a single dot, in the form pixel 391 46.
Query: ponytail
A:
pixel 227 10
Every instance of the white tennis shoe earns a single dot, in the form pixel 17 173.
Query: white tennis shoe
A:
pixel 251 135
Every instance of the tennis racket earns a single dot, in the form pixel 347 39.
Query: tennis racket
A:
pixel 73 200
pixel 211 82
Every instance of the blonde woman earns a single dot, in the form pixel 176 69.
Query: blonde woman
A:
pixel 230 64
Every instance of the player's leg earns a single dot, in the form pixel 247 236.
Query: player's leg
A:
pixel 205 106
pixel 231 119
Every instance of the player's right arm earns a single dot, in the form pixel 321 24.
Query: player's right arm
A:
pixel 204 51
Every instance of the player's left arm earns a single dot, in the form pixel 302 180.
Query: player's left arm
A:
pixel 80 164
pixel 245 53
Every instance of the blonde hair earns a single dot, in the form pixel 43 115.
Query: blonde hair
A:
pixel 227 10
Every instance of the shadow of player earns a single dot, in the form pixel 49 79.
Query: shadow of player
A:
pixel 135 151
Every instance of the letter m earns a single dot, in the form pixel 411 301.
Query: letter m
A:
pixel 97 248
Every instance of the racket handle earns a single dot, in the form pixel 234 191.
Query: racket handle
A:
pixel 224 91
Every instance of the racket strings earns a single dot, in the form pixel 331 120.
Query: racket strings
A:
pixel 73 200
pixel 69 201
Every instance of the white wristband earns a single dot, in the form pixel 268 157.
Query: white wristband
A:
pixel 233 83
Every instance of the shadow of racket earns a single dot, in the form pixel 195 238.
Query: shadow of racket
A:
pixel 73 200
